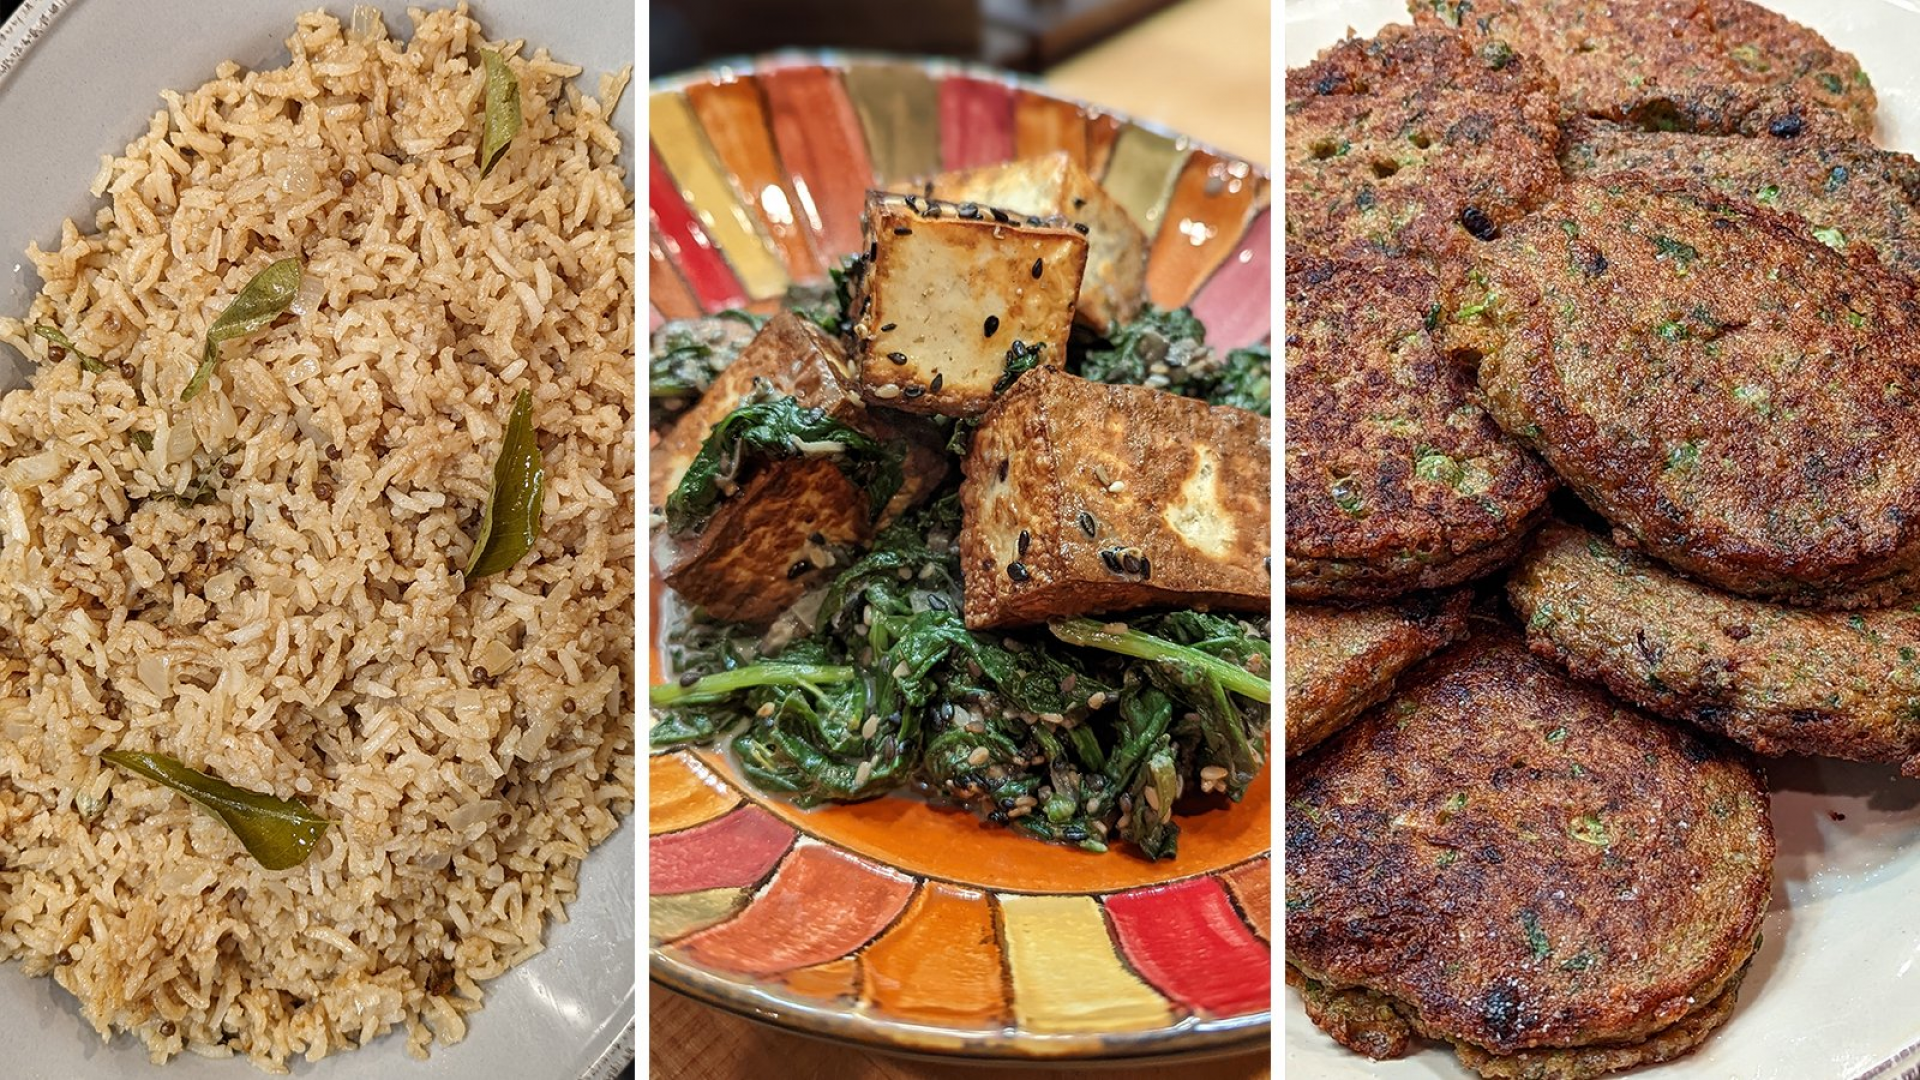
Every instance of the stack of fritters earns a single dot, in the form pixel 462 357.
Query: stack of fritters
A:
pixel 1702 321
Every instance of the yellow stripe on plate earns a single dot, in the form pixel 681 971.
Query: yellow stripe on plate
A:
pixel 1141 173
pixel 672 917
pixel 1067 979
pixel 696 171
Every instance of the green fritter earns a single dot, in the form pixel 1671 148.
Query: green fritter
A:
pixel 1517 864
pixel 1733 395
pixel 1340 661
pixel 1824 172
pixel 1410 143
pixel 1779 680
pixel 1397 479
pixel 1697 65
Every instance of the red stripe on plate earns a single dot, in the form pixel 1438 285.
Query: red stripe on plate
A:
pixel 818 134
pixel 1187 941
pixel 687 245
pixel 1236 303
pixel 976 122
pixel 732 852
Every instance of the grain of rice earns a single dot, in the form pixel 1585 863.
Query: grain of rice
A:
pixel 309 646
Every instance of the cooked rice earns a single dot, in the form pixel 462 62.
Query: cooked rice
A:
pixel 305 630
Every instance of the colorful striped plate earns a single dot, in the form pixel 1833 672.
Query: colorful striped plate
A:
pixel 892 922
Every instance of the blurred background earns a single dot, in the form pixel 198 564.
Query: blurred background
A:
pixel 1202 67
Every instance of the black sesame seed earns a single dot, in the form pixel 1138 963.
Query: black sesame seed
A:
pixel 913 391
pixel 968 210
pixel 1073 833
pixel 1080 228
pixel 939 380
pixel 1079 202
pixel 937 602
pixel 1130 562
pixel 993 323
pixel 873 250
pixel 1146 567
pixel 1025 539
pixel 1000 216
pixel 1112 560
pixel 1037 264
pixel 798 568
pixel 1007 802
pixel 1034 223
pixel 897 357
pixel 1475 221
pixel 913 205
pixel 998 817
pixel 1017 571
pixel 688 678
pixel 902 230
pixel 929 189
pixel 817 538
pixel 1003 467
pixel 1088 525
pixel 932 211
pixel 888 327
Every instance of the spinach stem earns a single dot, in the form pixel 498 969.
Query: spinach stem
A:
pixel 1092 635
pixel 773 673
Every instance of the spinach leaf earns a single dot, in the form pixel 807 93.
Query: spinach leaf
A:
pixel 777 430
pixel 1168 350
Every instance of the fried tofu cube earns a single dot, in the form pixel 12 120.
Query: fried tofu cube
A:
pixel 773 539
pixel 1081 497
pixel 1054 185
pixel 950 293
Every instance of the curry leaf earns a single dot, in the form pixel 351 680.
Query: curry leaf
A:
pixel 503 110
pixel 511 522
pixel 262 301
pixel 56 337
pixel 278 833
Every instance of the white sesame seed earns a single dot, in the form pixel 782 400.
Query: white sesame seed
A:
pixel 1052 718
pixel 1152 795
pixel 1026 800
pixel 1093 805
pixel 1115 628
pixel 1212 772
pixel 1116 487
pixel 863 774
pixel 1098 699
pixel 871 728
pixel 1100 474
pixel 977 728
pixel 886 391
pixel 900 669
pixel 1019 812
pixel 979 756
pixel 1101 828
pixel 1067 684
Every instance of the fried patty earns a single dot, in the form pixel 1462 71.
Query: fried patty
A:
pixel 1818 169
pixel 1733 395
pixel 1697 65
pixel 1340 661
pixel 1777 679
pixel 1412 143
pixel 1396 477
pixel 1518 864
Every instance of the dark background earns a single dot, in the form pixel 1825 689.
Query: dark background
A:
pixel 1025 35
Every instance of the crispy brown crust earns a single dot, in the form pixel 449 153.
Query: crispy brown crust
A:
pixel 1779 680
pixel 1390 140
pixel 1521 862
pixel 1734 396
pixel 1823 172
pixel 1341 661
pixel 1397 479
pixel 1704 65
pixel 1174 480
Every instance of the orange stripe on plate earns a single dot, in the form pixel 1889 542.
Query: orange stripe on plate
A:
pixel 1252 887
pixel 821 905
pixel 1042 125
pixel 833 979
pixel 1204 219
pixel 682 793
pixel 666 290
pixel 735 120
pixel 940 963
pixel 1066 976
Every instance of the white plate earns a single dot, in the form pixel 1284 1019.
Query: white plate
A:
pixel 1834 994
pixel 79 80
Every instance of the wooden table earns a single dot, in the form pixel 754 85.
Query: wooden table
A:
pixel 1202 67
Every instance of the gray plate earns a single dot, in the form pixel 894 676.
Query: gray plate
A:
pixel 79 80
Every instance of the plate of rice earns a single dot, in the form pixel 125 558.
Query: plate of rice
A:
pixel 316 540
